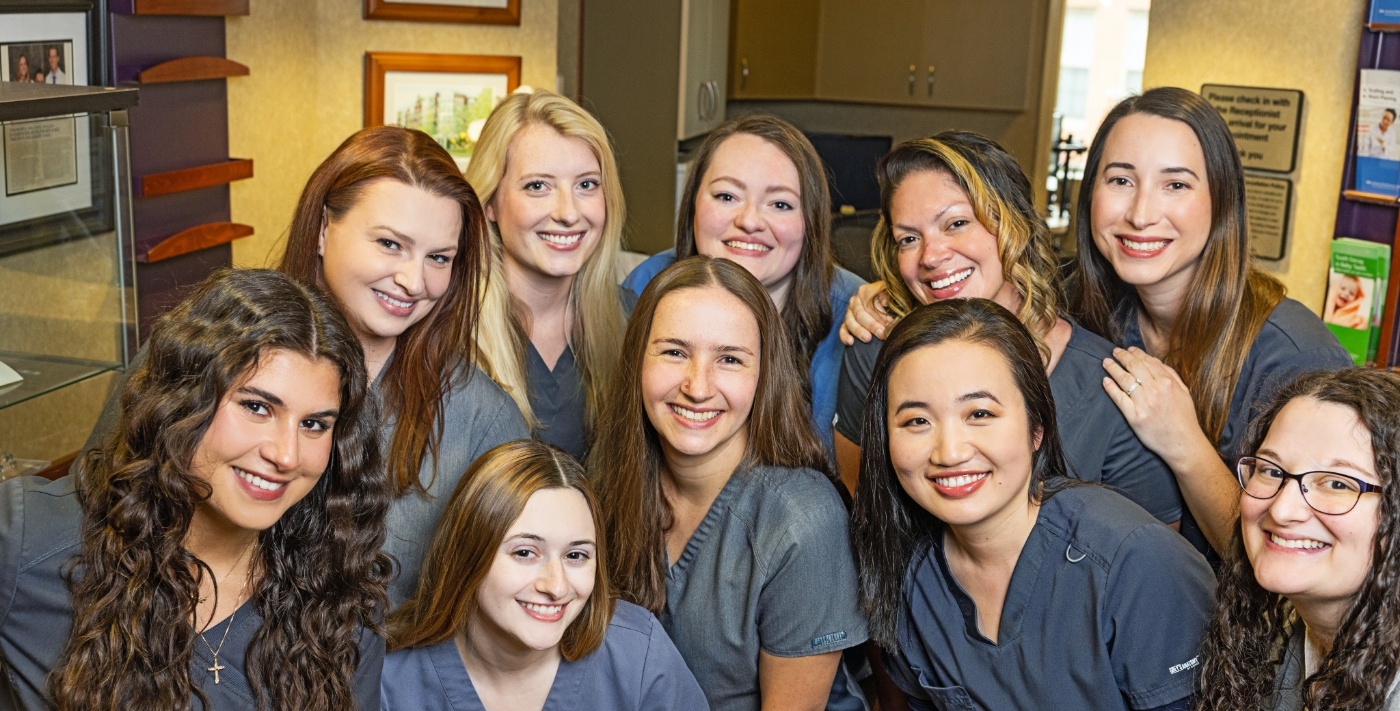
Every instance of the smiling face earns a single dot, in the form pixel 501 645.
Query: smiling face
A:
pixel 942 250
pixel 1151 212
pixel 23 68
pixel 388 259
pixel 269 442
pixel 549 208
pixel 542 574
pixel 1311 558
pixel 700 375
pixel 959 438
pixel 749 210
pixel 53 59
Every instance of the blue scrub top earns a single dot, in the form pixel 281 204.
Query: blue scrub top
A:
pixel 825 370
pixel 1105 610
pixel 637 668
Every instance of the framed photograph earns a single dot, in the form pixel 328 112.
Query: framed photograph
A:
pixel 46 165
pixel 474 12
pixel 447 96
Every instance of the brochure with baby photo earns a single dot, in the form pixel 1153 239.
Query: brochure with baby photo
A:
pixel 1355 303
pixel 1378 133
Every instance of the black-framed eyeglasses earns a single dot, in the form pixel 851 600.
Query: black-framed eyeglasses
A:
pixel 1326 492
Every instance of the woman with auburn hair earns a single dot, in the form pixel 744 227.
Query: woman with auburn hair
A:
pixel 1165 272
pixel 551 317
pixel 958 221
pixel 388 226
pixel 718 511
pixel 222 546
pixel 757 195
pixel 993 580
pixel 514 610
pixel 1306 614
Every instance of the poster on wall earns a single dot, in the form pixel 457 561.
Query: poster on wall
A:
pixel 447 96
pixel 45 164
pixel 1384 12
pixel 1377 145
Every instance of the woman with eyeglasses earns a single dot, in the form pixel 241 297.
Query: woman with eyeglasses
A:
pixel 1308 615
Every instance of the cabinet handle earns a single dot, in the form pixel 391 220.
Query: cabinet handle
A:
pixel 744 73
pixel 930 81
pixel 712 106
pixel 701 97
pixel 912 69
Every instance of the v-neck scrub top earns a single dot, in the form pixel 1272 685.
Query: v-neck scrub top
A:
pixel 636 669
pixel 769 568
pixel 558 400
pixel 39 522
pixel 1105 610
pixel 1098 442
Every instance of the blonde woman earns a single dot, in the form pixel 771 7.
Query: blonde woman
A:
pixel 551 317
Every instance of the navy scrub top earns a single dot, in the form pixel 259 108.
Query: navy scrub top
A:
pixel 1105 610
pixel 1098 442
pixel 637 668
pixel 558 400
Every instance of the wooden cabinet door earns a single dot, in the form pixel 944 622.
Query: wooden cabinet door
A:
pixel 773 49
pixel 978 53
pixel 870 50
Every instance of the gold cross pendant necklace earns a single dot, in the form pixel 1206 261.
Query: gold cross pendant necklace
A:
pixel 216 667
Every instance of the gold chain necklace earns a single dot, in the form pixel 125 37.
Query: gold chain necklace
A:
pixel 216 667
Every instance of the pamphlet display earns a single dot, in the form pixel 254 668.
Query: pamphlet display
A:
pixel 1378 133
pixel 1356 287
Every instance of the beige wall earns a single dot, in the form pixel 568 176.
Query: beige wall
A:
pixel 305 93
pixel 1285 44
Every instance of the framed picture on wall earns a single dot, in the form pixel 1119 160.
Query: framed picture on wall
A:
pixel 474 12
pixel 447 96
pixel 45 164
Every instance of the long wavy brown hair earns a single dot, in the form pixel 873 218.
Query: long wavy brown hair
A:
pixel 321 578
pixel 636 514
pixel 806 315
pixel 1244 643
pixel 1229 298
pixel 428 356
pixel 488 499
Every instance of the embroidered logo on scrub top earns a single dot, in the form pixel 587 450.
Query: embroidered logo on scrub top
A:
pixel 827 639
pixel 1192 662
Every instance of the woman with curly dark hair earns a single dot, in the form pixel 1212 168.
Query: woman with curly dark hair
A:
pixel 1308 615
pixel 223 544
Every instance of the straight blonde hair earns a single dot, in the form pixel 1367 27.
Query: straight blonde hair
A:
pixel 598 322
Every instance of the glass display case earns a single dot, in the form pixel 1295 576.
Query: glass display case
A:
pixel 67 325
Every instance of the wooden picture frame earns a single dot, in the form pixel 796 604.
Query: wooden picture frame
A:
pixel 469 12
pixel 447 96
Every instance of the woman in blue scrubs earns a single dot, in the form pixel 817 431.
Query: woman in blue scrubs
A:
pixel 992 579
pixel 514 610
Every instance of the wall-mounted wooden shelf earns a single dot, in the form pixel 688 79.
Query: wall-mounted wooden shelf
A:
pixel 191 69
pixel 204 176
pixel 193 240
pixel 214 8
pixel 1372 198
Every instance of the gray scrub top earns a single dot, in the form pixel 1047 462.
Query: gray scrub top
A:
pixel 39 523
pixel 1106 610
pixel 769 568
pixel 1292 341
pixel 477 416
pixel 636 669
pixel 558 400
pixel 1098 442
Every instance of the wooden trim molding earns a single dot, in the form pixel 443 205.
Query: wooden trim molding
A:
pixel 191 69
pixel 194 239
pixel 437 12
pixel 204 176
pixel 210 8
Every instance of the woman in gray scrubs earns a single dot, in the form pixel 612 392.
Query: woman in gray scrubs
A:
pixel 959 222
pixel 515 612
pixel 390 229
pixel 719 515
pixel 222 546
pixel 1306 615
pixel 992 580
